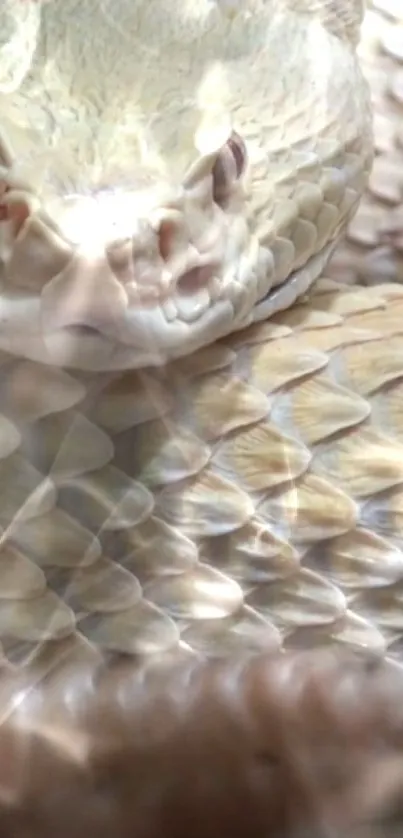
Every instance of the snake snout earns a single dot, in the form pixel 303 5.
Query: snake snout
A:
pixel 115 263
pixel 85 294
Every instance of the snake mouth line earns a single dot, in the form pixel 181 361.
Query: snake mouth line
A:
pixel 296 284
pixel 142 338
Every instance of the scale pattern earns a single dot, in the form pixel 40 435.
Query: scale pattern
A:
pixel 247 497
pixel 250 495
pixel 373 250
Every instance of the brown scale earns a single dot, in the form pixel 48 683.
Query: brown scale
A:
pixel 201 567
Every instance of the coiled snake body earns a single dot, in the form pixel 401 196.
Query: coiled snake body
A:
pixel 198 470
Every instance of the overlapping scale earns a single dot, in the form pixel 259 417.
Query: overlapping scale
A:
pixel 373 250
pixel 249 492
pixel 246 497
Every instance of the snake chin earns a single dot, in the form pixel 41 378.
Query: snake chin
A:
pixel 127 277
pixel 81 289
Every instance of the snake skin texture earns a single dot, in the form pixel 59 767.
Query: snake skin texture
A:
pixel 166 210
pixel 201 577
pixel 249 494
pixel 373 251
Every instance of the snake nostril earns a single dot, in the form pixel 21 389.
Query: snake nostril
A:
pixel 194 280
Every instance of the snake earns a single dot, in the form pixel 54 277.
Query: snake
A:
pixel 201 437
pixel 201 218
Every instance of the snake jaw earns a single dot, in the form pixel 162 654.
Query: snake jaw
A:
pixel 159 283
pixel 142 289
pixel 187 274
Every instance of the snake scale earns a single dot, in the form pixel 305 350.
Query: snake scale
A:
pixel 201 428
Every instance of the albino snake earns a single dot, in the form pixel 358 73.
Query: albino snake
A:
pixel 197 470
pixel 173 185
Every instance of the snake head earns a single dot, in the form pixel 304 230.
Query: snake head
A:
pixel 155 267
pixel 145 214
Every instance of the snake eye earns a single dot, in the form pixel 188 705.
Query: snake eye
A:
pixel 228 168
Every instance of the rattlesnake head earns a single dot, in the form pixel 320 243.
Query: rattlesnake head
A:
pixel 170 174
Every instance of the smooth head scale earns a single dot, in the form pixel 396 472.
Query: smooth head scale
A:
pixel 178 171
